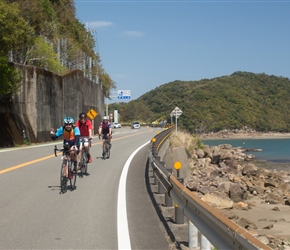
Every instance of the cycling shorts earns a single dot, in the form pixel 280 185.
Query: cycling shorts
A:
pixel 71 143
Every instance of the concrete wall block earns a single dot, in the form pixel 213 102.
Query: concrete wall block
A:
pixel 43 99
pixel 179 154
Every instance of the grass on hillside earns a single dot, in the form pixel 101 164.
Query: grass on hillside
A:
pixel 189 142
pixel 186 140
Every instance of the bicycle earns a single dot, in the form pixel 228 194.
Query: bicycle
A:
pixel 106 147
pixel 66 167
pixel 84 157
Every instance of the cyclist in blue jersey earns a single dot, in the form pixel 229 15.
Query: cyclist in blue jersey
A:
pixel 70 134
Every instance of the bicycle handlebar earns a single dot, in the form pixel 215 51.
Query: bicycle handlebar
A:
pixel 61 150
pixel 56 149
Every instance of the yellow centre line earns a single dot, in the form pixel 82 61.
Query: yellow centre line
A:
pixel 50 156
pixel 25 164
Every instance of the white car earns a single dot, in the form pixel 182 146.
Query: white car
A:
pixel 135 125
pixel 117 125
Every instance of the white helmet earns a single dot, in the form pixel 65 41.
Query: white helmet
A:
pixel 105 118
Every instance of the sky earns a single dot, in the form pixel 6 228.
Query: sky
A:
pixel 145 44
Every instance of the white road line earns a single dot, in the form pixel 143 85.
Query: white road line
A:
pixel 123 230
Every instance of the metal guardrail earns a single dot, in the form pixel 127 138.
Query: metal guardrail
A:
pixel 217 228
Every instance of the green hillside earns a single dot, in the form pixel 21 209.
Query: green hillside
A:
pixel 46 34
pixel 258 101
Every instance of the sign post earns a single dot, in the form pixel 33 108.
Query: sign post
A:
pixel 176 112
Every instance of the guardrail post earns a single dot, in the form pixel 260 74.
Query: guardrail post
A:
pixel 192 235
pixel 179 216
pixel 204 243
pixel 150 172
pixel 168 199
pixel 155 179
pixel 161 189
pixel 150 169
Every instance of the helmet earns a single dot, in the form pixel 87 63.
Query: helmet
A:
pixel 82 115
pixel 105 118
pixel 68 120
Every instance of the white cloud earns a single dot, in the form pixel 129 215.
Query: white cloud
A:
pixel 99 24
pixel 134 33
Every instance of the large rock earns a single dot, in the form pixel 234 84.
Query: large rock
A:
pixel 217 201
pixel 227 170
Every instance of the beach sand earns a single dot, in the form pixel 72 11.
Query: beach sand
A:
pixel 264 215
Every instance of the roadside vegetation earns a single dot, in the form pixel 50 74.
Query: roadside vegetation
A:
pixel 187 141
pixel 46 34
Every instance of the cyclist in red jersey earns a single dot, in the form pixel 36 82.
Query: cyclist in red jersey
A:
pixel 86 128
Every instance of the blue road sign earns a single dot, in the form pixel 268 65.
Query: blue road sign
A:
pixel 124 97
pixel 124 94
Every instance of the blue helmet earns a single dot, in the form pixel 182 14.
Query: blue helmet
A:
pixel 68 120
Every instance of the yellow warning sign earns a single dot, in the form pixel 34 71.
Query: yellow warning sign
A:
pixel 92 114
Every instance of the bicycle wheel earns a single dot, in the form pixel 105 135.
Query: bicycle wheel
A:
pixel 107 150
pixel 85 166
pixel 73 178
pixel 84 163
pixel 63 179
pixel 104 150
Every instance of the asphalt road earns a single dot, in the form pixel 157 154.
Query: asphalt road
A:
pixel 110 209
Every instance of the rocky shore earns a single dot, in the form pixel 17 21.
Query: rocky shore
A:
pixel 256 198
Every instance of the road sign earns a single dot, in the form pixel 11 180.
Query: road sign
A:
pixel 124 94
pixel 176 112
pixel 92 114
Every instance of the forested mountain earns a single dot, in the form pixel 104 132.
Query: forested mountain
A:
pixel 46 34
pixel 258 101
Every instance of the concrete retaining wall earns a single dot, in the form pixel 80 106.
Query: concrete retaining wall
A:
pixel 41 102
pixel 170 156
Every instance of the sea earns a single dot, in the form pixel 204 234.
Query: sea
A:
pixel 275 153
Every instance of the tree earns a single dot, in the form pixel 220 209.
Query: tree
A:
pixel 9 76
pixel 15 31
pixel 43 55
pixel 138 110
pixel 107 82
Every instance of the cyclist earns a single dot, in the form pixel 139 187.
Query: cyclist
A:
pixel 86 128
pixel 105 129
pixel 70 134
